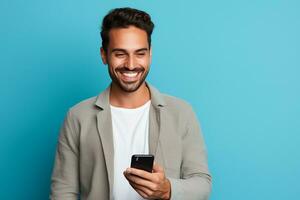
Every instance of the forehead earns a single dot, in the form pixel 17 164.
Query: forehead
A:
pixel 130 38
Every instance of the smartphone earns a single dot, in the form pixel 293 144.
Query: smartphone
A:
pixel 142 161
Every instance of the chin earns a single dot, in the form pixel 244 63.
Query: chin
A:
pixel 131 87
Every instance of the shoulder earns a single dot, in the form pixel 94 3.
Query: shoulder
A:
pixel 177 106
pixel 173 101
pixel 179 113
pixel 84 108
pixel 171 104
pixel 168 101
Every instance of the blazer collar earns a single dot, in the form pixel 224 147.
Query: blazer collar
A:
pixel 102 100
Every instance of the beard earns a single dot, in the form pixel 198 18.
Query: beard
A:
pixel 124 85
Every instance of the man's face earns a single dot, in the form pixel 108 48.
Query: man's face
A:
pixel 128 57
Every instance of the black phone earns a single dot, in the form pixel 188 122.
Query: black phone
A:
pixel 142 161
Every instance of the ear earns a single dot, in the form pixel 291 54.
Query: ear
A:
pixel 103 56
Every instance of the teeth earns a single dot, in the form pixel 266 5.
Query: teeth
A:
pixel 131 74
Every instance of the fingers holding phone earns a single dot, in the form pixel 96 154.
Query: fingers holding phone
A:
pixel 147 179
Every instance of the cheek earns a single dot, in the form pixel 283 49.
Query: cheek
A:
pixel 144 62
pixel 114 63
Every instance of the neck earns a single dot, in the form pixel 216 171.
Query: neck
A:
pixel 120 98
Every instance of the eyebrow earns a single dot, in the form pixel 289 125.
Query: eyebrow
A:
pixel 123 50
pixel 142 49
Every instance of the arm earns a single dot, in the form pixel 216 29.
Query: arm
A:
pixel 65 176
pixel 195 182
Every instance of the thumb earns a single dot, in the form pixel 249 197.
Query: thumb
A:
pixel 157 168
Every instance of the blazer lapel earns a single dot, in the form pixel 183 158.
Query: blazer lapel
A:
pixel 156 120
pixel 153 129
pixel 104 125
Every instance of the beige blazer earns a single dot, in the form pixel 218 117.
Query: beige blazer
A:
pixel 84 157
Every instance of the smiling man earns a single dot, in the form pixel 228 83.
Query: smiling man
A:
pixel 100 134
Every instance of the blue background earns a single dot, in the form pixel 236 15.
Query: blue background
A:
pixel 236 62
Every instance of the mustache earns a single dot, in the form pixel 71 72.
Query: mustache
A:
pixel 126 69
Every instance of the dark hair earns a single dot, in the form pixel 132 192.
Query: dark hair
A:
pixel 123 18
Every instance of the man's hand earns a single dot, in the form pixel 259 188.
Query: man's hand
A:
pixel 153 185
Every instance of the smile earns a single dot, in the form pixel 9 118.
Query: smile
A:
pixel 129 76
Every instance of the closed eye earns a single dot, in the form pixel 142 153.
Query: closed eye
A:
pixel 120 54
pixel 141 54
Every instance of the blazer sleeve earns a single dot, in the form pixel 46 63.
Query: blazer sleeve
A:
pixel 195 181
pixel 65 175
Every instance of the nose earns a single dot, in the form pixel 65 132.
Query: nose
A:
pixel 130 63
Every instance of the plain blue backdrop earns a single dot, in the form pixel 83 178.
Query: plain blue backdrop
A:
pixel 236 62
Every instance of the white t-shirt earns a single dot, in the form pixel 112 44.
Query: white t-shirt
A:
pixel 130 136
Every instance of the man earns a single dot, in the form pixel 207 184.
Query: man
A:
pixel 100 134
